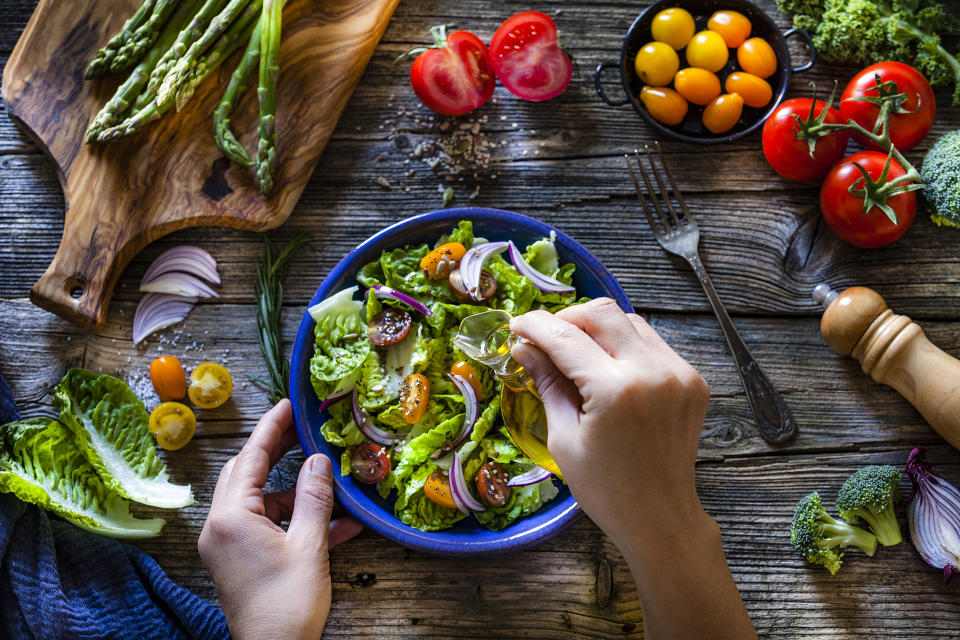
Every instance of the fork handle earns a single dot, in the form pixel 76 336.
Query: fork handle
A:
pixel 774 419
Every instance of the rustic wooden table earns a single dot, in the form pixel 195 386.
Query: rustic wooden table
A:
pixel 764 242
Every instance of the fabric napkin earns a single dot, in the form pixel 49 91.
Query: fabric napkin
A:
pixel 59 581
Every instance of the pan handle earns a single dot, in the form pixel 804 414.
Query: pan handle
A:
pixel 603 66
pixel 809 41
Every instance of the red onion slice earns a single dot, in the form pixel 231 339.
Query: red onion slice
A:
pixel 180 284
pixel 458 488
pixel 535 475
pixel 539 280
pixel 366 426
pixel 158 311
pixel 389 293
pixel 473 406
pixel 933 516
pixel 472 264
pixel 332 400
pixel 186 259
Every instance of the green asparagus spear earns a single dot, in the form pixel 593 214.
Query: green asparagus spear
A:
pixel 120 103
pixel 141 40
pixel 222 133
pixel 176 76
pixel 267 92
pixel 249 18
pixel 101 62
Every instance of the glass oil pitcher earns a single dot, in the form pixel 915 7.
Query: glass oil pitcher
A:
pixel 486 338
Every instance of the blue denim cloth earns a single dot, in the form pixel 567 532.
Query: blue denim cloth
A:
pixel 59 581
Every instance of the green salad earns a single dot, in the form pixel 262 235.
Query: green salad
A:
pixel 411 412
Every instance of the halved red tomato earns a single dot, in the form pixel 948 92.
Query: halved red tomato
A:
pixel 525 54
pixel 454 76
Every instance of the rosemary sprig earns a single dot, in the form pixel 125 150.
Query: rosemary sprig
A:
pixel 269 292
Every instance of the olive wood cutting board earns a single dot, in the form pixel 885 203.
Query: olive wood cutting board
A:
pixel 171 175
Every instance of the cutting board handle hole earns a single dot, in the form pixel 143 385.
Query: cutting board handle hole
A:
pixel 75 288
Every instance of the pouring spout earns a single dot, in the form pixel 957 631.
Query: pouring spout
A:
pixel 824 295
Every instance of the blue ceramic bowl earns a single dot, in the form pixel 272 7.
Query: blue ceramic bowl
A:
pixel 467 538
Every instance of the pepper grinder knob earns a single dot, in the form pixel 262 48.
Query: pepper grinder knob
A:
pixel 893 350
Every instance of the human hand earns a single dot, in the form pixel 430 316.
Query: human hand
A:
pixel 624 411
pixel 273 583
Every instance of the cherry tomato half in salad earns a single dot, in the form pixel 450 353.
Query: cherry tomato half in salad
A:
pixel 369 463
pixel 210 385
pixel 466 371
pixel 388 327
pixel 906 129
pixel 488 286
pixel 492 484
pixel 437 488
pixel 525 54
pixel 733 26
pixel 173 425
pixel 414 397
pixel 756 56
pixel 454 76
pixel 439 262
pixel 169 381
pixel 790 156
pixel 843 211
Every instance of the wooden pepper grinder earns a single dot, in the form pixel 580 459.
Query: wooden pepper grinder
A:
pixel 894 350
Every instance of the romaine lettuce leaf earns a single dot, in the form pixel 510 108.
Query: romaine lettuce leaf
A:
pixel 542 256
pixel 414 508
pixel 111 427
pixel 40 463
pixel 516 293
pixel 341 344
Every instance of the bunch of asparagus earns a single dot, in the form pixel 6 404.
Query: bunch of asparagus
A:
pixel 170 47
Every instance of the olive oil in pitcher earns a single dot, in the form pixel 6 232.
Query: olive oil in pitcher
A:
pixel 486 338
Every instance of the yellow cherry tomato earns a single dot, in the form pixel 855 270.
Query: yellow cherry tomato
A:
pixel 439 262
pixel 665 105
pixel 466 371
pixel 673 26
pixel 173 424
pixel 733 26
pixel 656 63
pixel 210 385
pixel 437 488
pixel 414 396
pixel 169 381
pixel 707 50
pixel 724 112
pixel 756 92
pixel 756 56
pixel 699 86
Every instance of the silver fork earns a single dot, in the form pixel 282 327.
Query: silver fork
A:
pixel 678 234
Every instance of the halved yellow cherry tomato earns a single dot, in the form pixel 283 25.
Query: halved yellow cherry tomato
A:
pixel 466 371
pixel 656 62
pixel 674 26
pixel 210 385
pixel 724 112
pixel 665 105
pixel 755 91
pixel 707 50
pixel 699 86
pixel 173 424
pixel 756 56
pixel 439 262
pixel 733 26
pixel 437 488
pixel 169 381
pixel 414 396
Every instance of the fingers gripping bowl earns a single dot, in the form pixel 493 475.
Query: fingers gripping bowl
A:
pixel 467 537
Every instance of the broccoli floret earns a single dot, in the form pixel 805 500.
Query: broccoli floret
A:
pixel 819 537
pixel 941 180
pixel 869 495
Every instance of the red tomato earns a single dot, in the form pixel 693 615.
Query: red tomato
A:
pixel 843 210
pixel 906 129
pixel 790 156
pixel 369 463
pixel 455 76
pixel 526 55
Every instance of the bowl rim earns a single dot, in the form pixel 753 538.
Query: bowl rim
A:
pixel 362 507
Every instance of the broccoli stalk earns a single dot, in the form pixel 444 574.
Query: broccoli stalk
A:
pixel 820 537
pixel 870 495
pixel 941 180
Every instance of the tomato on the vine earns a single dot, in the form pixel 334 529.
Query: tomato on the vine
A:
pixel 918 106
pixel 454 76
pixel 843 211
pixel 525 54
pixel 788 154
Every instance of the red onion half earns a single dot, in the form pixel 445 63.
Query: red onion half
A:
pixel 366 426
pixel 332 400
pixel 473 407
pixel 159 311
pixel 535 475
pixel 933 514
pixel 539 280
pixel 186 259
pixel 389 293
pixel 458 488
pixel 180 284
pixel 471 265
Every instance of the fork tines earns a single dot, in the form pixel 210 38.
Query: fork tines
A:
pixel 671 220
